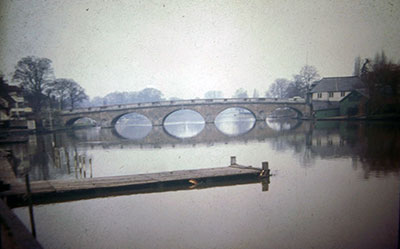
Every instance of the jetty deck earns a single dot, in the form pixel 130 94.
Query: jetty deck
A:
pixel 51 191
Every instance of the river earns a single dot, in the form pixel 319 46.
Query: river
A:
pixel 333 185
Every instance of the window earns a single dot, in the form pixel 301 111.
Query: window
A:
pixel 330 94
pixel 342 94
pixel 319 95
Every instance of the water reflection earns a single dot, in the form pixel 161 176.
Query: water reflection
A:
pixel 373 147
pixel 284 113
pixel 282 124
pixel 235 121
pixel 184 123
pixel 340 176
pixel 133 126
pixel 89 134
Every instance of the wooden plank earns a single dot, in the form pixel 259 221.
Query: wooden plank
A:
pixel 36 187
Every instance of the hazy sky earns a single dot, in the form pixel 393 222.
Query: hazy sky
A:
pixel 185 48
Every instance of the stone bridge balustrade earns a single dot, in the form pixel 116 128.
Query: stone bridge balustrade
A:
pixel 156 112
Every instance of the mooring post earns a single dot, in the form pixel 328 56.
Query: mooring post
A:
pixel 91 170
pixel 76 166
pixel 79 166
pixel 265 169
pixel 233 160
pixel 67 157
pixel 59 157
pixel 265 184
pixel 29 195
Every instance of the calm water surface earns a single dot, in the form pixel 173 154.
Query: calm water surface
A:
pixel 334 185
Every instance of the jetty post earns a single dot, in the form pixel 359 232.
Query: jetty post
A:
pixel 233 160
pixel 84 166
pixel 68 163
pixel 76 165
pixel 91 169
pixel 265 168
pixel 29 196
pixel 80 165
pixel 265 174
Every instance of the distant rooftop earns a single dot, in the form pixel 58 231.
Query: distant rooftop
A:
pixel 337 84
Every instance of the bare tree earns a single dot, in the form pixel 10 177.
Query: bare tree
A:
pixel 59 89
pixel 302 82
pixel 279 88
pixel 35 75
pixel 75 93
pixel 240 93
pixel 308 74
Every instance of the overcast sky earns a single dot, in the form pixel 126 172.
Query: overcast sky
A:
pixel 185 48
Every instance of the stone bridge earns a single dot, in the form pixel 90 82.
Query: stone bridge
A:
pixel 156 112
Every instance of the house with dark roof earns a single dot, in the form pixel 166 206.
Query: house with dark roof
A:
pixel 6 103
pixel 13 109
pixel 338 96
pixel 20 109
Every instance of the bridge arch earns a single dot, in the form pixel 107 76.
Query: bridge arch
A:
pixel 181 109
pixel 117 117
pixel 238 107
pixel 299 113
pixel 235 121
pixel 193 123
pixel 295 110
pixel 72 121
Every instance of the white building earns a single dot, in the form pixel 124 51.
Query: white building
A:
pixel 335 88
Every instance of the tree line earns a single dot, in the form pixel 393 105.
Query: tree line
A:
pixel 114 98
pixel 42 89
pixel 281 87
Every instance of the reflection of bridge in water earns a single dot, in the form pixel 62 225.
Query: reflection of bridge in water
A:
pixel 158 138
pixel 156 112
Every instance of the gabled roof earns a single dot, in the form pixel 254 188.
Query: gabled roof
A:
pixel 337 84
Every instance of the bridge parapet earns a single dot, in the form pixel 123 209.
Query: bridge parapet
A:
pixel 184 102
pixel 156 112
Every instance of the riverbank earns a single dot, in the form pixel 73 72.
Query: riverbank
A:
pixel 378 117
pixel 9 136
